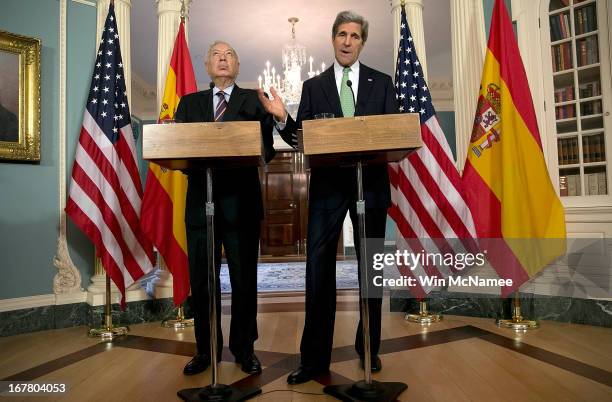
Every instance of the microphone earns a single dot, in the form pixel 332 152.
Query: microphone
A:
pixel 350 85
pixel 211 85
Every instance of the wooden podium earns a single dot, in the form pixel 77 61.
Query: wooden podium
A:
pixel 357 141
pixel 206 146
pixel 370 139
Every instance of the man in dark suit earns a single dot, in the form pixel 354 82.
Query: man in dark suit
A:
pixel 238 214
pixel 333 190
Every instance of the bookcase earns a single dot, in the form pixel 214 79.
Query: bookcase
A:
pixel 580 94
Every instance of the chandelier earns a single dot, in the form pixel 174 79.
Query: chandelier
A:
pixel 289 86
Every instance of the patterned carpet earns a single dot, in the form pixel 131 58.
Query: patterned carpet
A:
pixel 290 276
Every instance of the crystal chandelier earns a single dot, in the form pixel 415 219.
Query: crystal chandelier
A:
pixel 289 87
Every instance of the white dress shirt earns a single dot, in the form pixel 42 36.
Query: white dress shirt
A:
pixel 353 76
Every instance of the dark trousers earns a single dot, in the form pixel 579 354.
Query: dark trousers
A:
pixel 324 226
pixel 240 240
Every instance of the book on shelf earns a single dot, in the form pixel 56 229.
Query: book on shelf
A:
pixel 589 89
pixel 593 148
pixel 585 19
pixel 573 184
pixel 562 58
pixel 563 186
pixel 603 183
pixel 590 108
pixel 588 51
pixel 564 94
pixel 586 149
pixel 595 183
pixel 567 151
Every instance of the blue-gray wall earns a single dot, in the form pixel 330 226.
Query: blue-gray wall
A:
pixel 29 197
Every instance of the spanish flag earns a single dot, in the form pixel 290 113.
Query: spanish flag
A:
pixel 515 207
pixel 163 205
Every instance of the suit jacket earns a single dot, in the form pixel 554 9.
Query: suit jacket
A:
pixel 329 186
pixel 236 191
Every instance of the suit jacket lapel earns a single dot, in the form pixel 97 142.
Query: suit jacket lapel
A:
pixel 331 91
pixel 366 82
pixel 235 103
pixel 206 104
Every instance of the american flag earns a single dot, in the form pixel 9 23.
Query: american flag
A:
pixel 105 190
pixel 426 191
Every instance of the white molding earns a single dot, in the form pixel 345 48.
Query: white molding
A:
pixel 93 299
pixel 70 298
pixel 85 2
pixel 599 215
pixel 20 303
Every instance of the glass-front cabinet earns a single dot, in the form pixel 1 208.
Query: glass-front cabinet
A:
pixel 578 101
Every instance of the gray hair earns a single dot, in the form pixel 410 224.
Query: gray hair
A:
pixel 347 16
pixel 217 42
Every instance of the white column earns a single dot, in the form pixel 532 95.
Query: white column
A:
pixel 414 15
pixel 168 21
pixel 468 45
pixel 122 12
pixel 68 277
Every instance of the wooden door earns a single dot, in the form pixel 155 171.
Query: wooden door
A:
pixel 282 189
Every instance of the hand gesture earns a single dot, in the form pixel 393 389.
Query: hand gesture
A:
pixel 275 106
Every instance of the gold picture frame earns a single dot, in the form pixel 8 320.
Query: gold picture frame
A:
pixel 20 91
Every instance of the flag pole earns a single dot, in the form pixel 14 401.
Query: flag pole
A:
pixel 108 332
pixel 517 322
pixel 423 317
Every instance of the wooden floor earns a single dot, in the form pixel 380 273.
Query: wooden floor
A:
pixel 458 359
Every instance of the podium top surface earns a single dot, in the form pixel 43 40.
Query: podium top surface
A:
pixel 181 145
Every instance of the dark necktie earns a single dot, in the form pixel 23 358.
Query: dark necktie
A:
pixel 221 106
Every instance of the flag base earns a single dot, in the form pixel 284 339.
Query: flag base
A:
pixel 423 317
pixel 108 333
pixel 361 391
pixel 218 393
pixel 178 323
pixel 518 325
pixel 517 322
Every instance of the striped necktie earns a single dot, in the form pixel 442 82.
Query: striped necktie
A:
pixel 346 95
pixel 221 106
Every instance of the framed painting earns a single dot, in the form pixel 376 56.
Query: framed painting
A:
pixel 19 98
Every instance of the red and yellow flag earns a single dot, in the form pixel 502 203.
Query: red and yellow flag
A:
pixel 163 205
pixel 506 181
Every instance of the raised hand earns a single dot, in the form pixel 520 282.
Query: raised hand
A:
pixel 275 106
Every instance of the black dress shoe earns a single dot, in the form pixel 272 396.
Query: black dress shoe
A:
pixel 376 364
pixel 250 364
pixel 198 364
pixel 303 374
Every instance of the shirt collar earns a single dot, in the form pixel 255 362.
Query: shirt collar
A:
pixel 338 69
pixel 228 90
